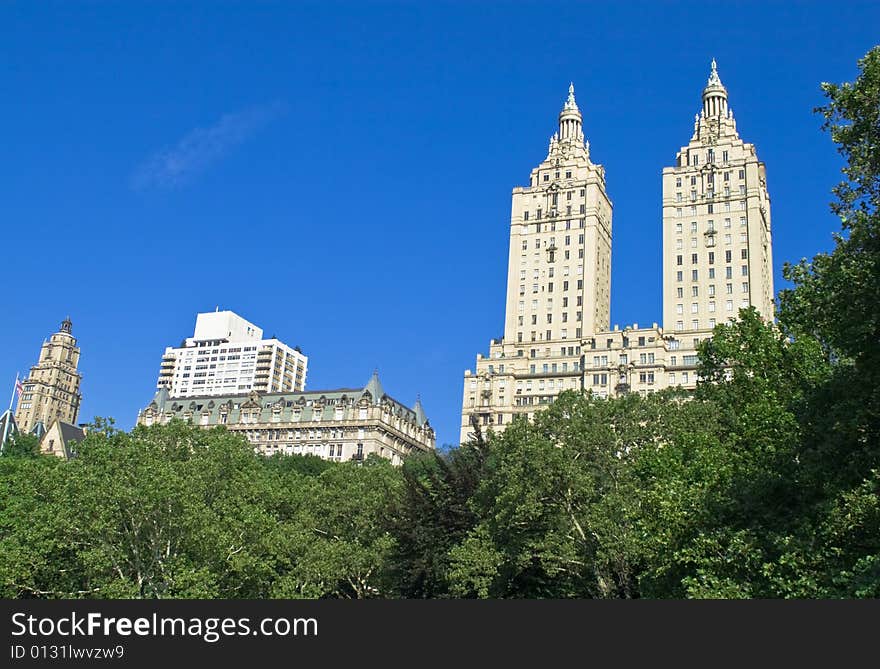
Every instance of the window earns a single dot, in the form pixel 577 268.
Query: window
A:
pixel 728 272
pixel 525 215
pixel 693 226
pixel 729 289
pixel 711 257
pixel 742 174
pixel 678 228
pixel 568 176
pixel 679 293
pixel 728 306
pixel 711 307
pixel 695 290
pixel 678 182
pixel 679 308
pixel 745 287
pixel 745 270
pixel 727 256
pixel 744 254
pixel 678 276
pixel 712 290
pixel 679 325
pixel 695 275
pixel 693 258
pixel 678 260
pixel 695 308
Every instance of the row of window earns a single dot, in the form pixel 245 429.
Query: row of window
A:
pixel 539 215
pixel 578 317
pixel 728 305
pixel 710 241
pixel 695 290
pixel 728 258
pixel 695 323
pixel 695 274
pixel 710 177
pixel 546 177
pixel 548 335
pixel 711 159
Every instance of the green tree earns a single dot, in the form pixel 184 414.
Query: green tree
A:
pixel 334 544
pixel 432 516
pixel 21 445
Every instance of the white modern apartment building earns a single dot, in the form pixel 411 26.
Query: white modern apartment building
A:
pixel 227 355
pixel 716 259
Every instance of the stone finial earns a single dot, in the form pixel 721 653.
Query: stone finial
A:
pixel 570 104
pixel 714 79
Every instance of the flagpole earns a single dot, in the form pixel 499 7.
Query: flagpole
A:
pixel 9 414
pixel 14 387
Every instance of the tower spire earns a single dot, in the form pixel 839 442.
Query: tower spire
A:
pixel 570 120
pixel 714 94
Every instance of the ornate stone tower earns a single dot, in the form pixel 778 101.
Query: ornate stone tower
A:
pixel 51 390
pixel 559 269
pixel 716 223
pixel 558 283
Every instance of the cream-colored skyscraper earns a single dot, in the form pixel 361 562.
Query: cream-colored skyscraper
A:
pixel 558 283
pixel 559 268
pixel 716 223
pixel 716 259
pixel 51 390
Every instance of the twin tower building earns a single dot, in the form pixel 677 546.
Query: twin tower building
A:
pixel 557 336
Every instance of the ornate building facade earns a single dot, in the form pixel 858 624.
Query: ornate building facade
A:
pixel 717 251
pixel 52 389
pixel 342 424
pixel 557 333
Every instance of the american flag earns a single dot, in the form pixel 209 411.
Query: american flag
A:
pixel 19 387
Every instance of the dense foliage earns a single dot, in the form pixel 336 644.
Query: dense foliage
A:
pixel 764 483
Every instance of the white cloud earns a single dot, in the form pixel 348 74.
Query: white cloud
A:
pixel 202 147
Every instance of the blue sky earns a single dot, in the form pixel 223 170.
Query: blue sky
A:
pixel 340 174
